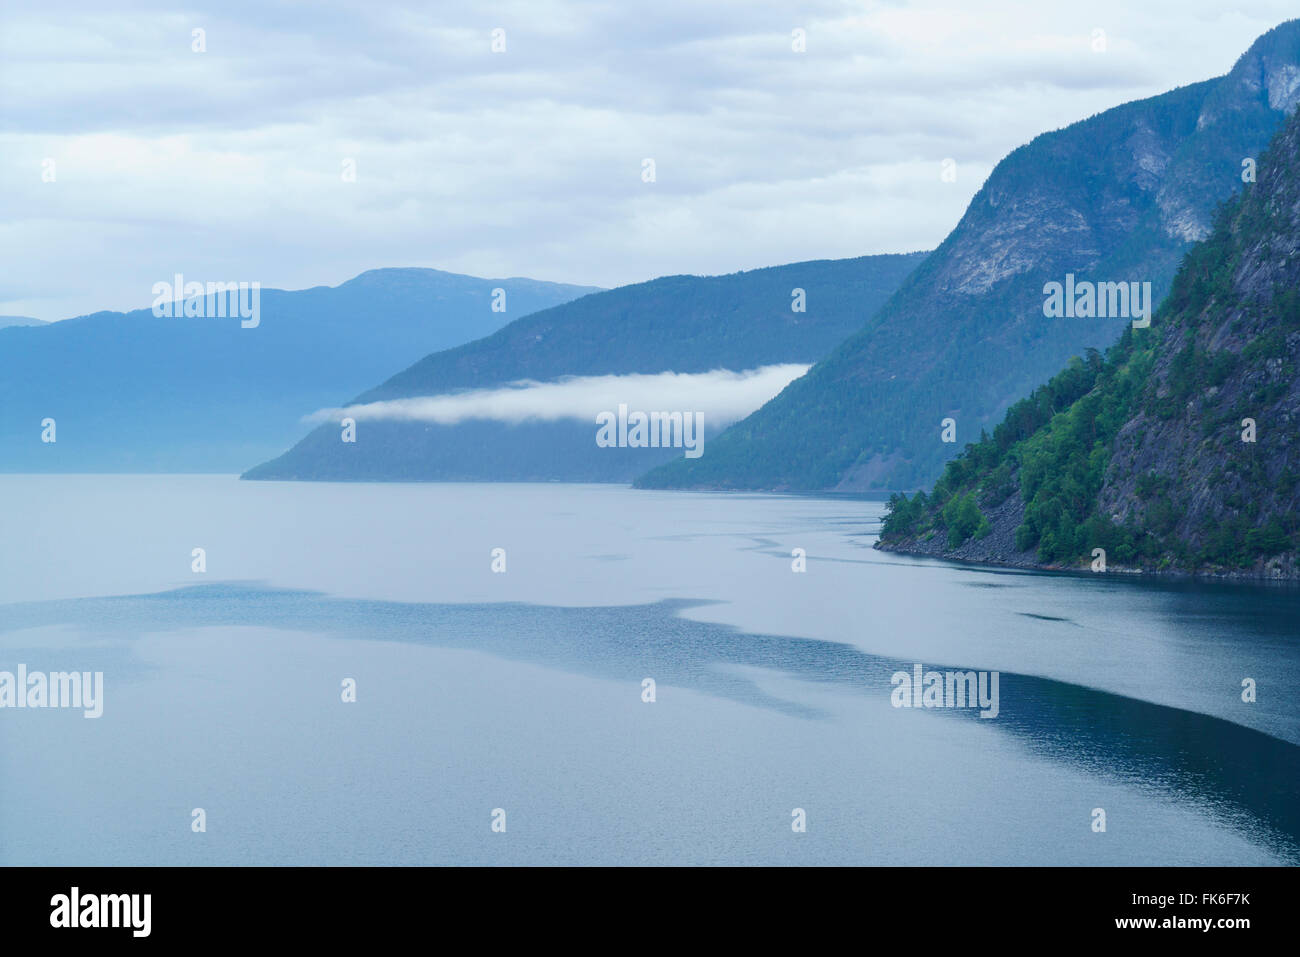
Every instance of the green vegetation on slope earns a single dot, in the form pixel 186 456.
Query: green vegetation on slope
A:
pixel 1114 197
pixel 1054 449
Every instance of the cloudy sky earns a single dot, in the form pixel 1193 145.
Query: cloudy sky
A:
pixel 228 164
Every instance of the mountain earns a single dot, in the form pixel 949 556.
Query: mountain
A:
pixel 1178 451
pixel 6 321
pixel 683 324
pixel 135 392
pixel 1115 198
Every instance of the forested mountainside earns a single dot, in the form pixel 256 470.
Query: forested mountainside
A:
pixel 1118 197
pixel 1179 450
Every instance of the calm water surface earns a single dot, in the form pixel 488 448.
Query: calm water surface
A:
pixel 522 690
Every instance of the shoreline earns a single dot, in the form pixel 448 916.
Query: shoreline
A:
pixel 915 548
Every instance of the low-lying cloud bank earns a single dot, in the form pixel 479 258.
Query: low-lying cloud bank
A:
pixel 722 396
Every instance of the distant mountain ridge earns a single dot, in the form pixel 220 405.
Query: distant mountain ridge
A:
pixel 682 324
pixel 1117 197
pixel 135 392
pixel 1180 451
pixel 6 321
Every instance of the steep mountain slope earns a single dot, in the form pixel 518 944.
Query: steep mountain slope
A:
pixel 134 392
pixel 686 324
pixel 1180 450
pixel 1116 198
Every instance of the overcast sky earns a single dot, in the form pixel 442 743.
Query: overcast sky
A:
pixel 228 164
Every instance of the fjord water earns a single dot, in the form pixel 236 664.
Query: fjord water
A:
pixel 523 690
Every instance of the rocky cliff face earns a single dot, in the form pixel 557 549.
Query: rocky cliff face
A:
pixel 1183 451
pixel 1117 197
pixel 1227 453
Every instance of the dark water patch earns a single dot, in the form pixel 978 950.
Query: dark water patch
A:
pixel 1240 775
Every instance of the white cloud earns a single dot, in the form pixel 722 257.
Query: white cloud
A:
pixel 722 396
pixel 528 163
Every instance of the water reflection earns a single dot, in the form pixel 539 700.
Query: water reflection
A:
pixel 1236 775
